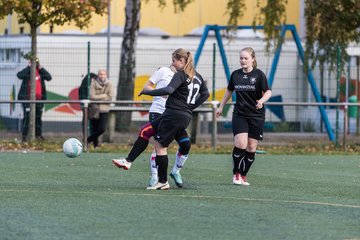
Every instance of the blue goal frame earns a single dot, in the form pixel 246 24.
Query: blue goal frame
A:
pixel 300 49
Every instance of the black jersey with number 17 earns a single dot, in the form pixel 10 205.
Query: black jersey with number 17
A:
pixel 188 94
pixel 249 87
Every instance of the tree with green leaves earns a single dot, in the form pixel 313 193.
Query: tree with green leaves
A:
pixel 53 12
pixel 330 27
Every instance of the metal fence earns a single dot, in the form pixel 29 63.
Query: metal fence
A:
pixel 291 116
pixel 205 128
pixel 67 58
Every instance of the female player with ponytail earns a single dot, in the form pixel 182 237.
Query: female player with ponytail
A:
pixel 187 90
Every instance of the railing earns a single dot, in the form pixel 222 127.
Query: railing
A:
pixel 213 105
pixel 123 106
pixel 207 107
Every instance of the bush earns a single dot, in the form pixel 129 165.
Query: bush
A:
pixel 308 126
pixel 286 127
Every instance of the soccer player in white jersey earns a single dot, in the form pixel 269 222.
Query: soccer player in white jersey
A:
pixel 160 79
pixel 187 90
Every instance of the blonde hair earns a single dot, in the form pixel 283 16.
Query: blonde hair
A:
pixel 102 70
pixel 252 53
pixel 189 68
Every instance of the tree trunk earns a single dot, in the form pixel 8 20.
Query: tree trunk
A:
pixel 31 134
pixel 125 88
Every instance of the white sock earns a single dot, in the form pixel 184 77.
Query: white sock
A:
pixel 179 162
pixel 153 168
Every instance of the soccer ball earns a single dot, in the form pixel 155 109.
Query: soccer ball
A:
pixel 72 148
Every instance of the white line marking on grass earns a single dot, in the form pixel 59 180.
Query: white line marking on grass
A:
pixel 194 196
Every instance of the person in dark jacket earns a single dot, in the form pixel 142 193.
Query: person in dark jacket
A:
pixel 40 93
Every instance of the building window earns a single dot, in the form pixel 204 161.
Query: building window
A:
pixel 10 55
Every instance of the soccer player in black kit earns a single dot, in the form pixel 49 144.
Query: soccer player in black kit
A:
pixel 252 91
pixel 187 90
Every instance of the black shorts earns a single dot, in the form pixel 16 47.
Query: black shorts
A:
pixel 253 126
pixel 171 125
pixel 153 116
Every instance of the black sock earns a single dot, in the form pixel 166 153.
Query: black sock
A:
pixel 162 162
pixel 139 146
pixel 238 155
pixel 248 160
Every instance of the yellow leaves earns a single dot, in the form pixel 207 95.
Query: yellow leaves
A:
pixel 58 12
pixel 55 145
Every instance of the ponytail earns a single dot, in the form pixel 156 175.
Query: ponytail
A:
pixel 189 68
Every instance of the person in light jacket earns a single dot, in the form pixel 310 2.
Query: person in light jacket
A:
pixel 101 89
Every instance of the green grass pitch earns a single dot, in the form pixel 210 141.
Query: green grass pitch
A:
pixel 49 196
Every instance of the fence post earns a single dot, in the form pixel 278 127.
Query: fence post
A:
pixel 338 72
pixel 85 122
pixel 213 72
pixel 86 103
pixel 108 135
pixel 346 126
pixel 194 127
pixel 110 129
pixel 357 86
pixel 214 124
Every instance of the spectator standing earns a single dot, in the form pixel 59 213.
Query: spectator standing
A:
pixel 101 89
pixel 40 94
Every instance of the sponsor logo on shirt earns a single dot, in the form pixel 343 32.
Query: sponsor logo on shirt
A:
pixel 245 87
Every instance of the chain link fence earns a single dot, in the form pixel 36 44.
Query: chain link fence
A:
pixel 68 58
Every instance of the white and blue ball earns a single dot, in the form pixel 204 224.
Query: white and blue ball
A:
pixel 72 148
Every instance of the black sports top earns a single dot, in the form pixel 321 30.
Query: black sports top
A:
pixel 248 87
pixel 184 94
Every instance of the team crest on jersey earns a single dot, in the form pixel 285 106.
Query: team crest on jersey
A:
pixel 252 80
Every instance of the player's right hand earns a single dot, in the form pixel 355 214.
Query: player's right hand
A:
pixel 218 112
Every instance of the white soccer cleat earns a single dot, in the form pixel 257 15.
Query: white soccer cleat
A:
pixel 153 181
pixel 240 180
pixel 122 163
pixel 159 186
pixel 237 179
pixel 243 181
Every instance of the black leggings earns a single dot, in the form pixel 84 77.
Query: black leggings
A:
pixel 38 121
pixel 98 127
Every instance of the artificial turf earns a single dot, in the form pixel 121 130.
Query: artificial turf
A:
pixel 49 196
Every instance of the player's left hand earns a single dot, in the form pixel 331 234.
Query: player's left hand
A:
pixel 259 105
pixel 140 93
